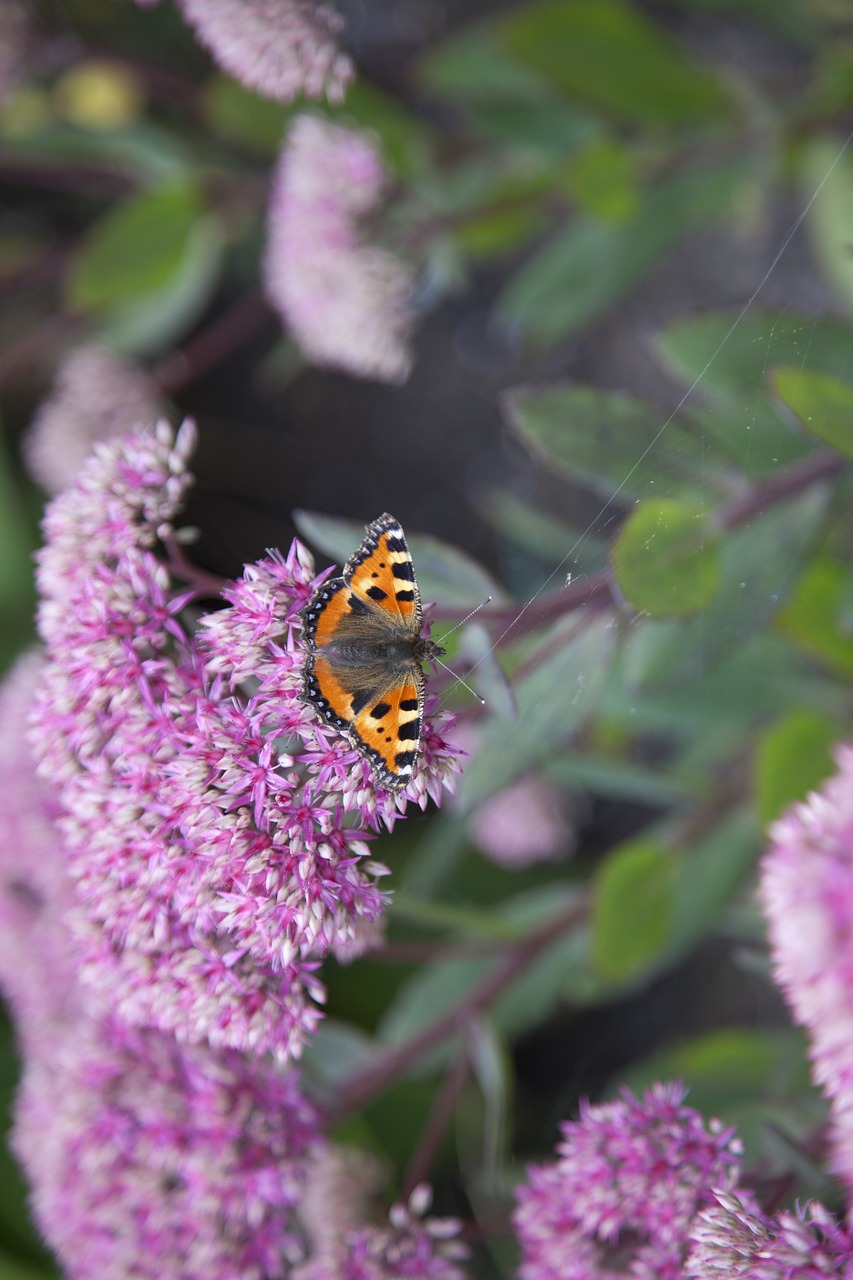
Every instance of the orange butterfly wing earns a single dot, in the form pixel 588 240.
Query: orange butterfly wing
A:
pixel 376 701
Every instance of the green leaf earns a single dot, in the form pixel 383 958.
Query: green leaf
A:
pixel 633 909
pixel 725 1068
pixel 794 756
pixel 666 559
pixel 603 180
pixel 724 359
pixel 241 116
pixel 606 52
pixel 597 437
pixel 502 99
pixel 136 249
pixel 590 264
pixel 760 565
pixel 815 616
pixel 155 320
pixel 822 402
pixel 623 780
pixel 558 694
pixel 827 170
pixel 442 985
pixel 445 574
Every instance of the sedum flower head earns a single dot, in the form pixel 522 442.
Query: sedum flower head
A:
pixel 525 823
pixel 630 1178
pixel 280 48
pixel 37 962
pixel 345 301
pixel 148 1158
pixel 411 1246
pixel 734 1240
pixel 96 395
pixel 216 834
pixel 807 893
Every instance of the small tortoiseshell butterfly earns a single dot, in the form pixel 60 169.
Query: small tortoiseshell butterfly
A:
pixel 365 651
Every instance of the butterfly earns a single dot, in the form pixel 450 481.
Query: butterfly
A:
pixel 363 669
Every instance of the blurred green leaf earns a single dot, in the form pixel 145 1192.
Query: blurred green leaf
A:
pixel 822 402
pixel 793 757
pixel 153 321
pixel 607 52
pixel 827 170
pixel 632 908
pixel 336 1051
pixel 405 138
pixel 622 779
pixel 714 866
pixel 730 1069
pixel 760 565
pixel 814 617
pixel 724 359
pixel 666 559
pixel 241 116
pixel 559 693
pixel 597 437
pixel 136 249
pixel 502 99
pixel 12 1269
pixel 445 574
pixel 150 155
pixel 603 180
pixel 442 985
pixel 720 703
pixel 589 265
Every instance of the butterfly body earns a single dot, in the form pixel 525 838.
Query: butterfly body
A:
pixel 363 669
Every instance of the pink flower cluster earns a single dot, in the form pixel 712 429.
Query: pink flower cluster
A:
pixel 216 834
pixel 644 1190
pixel 147 1158
pixel 630 1178
pixel 279 48
pixel 182 843
pixel 807 893
pixel 345 301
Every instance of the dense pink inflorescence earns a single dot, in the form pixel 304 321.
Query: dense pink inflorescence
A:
pixel 734 1240
pixel 280 48
pixel 410 1246
pixel 807 894
pixel 96 395
pixel 148 1158
pixel 344 300
pixel 630 1178
pixel 525 823
pixel 216 833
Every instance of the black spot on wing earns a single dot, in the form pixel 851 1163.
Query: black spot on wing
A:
pixel 409 704
pixel 405 596
pixel 396 544
pixel 405 760
pixel 403 569
pixel 410 731
pixel 377 594
pixel 381 710
pixel 360 700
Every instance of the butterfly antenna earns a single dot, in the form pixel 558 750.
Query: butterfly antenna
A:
pixel 457 678
pixel 462 621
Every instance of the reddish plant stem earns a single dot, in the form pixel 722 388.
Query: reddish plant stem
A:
pixel 438 1121
pixel 599 589
pixel 391 1064
pixel 213 344
pixel 784 484
pixel 207 586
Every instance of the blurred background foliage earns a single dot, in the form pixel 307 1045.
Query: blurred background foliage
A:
pixel 629 419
